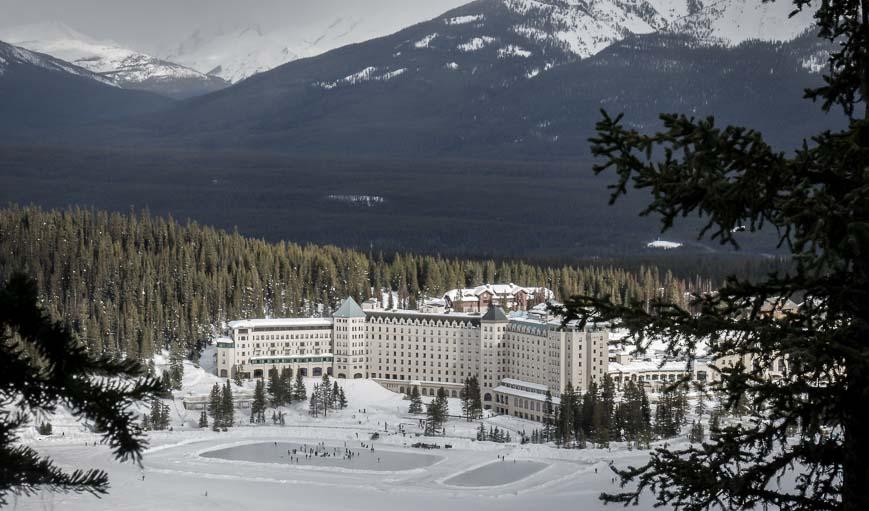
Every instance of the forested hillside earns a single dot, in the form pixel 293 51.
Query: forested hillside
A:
pixel 132 284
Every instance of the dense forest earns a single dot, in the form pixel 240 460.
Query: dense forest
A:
pixel 131 284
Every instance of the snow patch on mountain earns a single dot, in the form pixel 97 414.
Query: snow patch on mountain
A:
pixel 816 62
pixel 477 43
pixel 511 50
pixel 369 74
pixel 735 21
pixel 425 41
pixel 463 20
pixel 452 66
pixel 585 28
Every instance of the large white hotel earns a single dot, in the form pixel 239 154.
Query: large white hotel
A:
pixel 516 358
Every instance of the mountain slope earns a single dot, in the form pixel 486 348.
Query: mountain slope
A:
pixel 516 78
pixel 41 95
pixel 239 52
pixel 124 67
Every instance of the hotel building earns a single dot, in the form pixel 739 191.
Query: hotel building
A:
pixel 516 358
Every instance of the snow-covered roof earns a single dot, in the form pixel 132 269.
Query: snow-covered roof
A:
pixel 473 293
pixel 280 322
pixel 522 383
pixel 648 366
pixel 510 391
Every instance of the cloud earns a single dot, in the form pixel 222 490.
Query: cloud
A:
pixel 154 25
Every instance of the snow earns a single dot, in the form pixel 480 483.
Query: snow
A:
pixel 451 65
pixel 644 366
pixel 14 55
pixel 477 43
pixel 246 467
pixel 512 50
pixel 361 200
pixel 276 322
pixel 462 20
pixel 425 41
pixel 369 74
pixel 116 63
pixel 238 52
pixel 523 394
pixel 666 245
pixel 512 381
pixel 586 28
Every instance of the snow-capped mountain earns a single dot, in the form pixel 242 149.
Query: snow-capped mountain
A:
pixel 125 67
pixel 41 95
pixel 580 27
pixel 11 56
pixel 238 53
pixel 520 77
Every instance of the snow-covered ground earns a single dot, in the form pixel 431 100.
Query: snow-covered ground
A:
pixel 178 474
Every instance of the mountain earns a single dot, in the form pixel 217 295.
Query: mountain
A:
pixel 238 52
pixel 126 68
pixel 518 79
pixel 41 94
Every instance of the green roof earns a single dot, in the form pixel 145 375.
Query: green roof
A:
pixel 349 309
pixel 494 314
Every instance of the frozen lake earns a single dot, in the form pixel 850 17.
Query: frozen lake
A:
pixel 362 458
pixel 497 473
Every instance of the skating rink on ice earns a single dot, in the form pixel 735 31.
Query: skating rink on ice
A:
pixel 354 455
pixel 497 474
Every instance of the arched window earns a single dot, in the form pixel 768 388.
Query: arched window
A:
pixel 487 397
pixel 257 373
pixel 318 371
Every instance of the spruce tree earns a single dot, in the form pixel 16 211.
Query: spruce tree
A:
pixel 342 399
pixel 314 404
pixel 214 405
pixel 415 401
pixel 287 385
pixel 258 406
pixel 227 408
pixel 465 397
pixel 299 392
pixel 274 387
pixel 203 419
pixel 442 404
pixel 548 416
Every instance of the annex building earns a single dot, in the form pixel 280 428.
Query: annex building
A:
pixel 516 358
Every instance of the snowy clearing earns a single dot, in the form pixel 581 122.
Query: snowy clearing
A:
pixel 666 245
pixel 183 469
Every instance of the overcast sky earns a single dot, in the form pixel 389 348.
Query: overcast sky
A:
pixel 153 24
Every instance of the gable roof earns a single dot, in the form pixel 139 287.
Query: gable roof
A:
pixel 349 309
pixel 494 314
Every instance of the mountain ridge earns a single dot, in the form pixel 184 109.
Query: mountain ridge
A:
pixel 124 67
